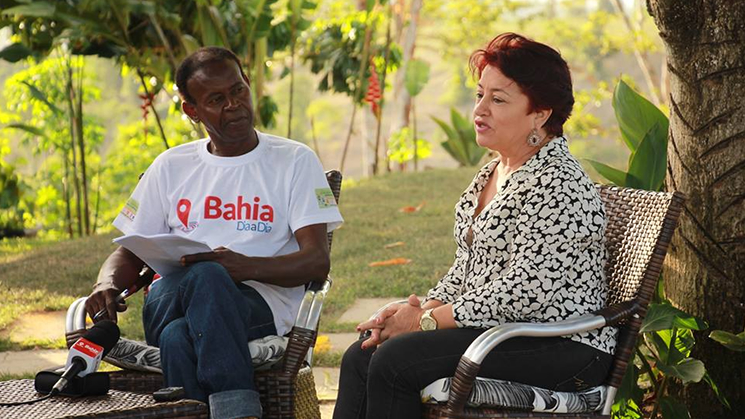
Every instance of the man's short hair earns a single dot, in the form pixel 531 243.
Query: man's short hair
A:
pixel 199 59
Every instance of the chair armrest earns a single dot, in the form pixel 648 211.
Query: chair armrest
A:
pixel 304 332
pixel 618 312
pixel 309 312
pixel 483 344
pixel 75 321
pixel 299 343
pixel 470 362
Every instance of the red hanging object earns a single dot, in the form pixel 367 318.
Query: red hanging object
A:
pixel 147 100
pixel 373 91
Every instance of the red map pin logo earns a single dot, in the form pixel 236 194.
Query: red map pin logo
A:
pixel 182 210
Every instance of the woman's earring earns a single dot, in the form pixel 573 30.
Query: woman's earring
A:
pixel 534 140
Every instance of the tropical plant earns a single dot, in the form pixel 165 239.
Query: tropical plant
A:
pixel 130 154
pixel 735 342
pixel 151 36
pixel 663 355
pixel 663 352
pixel 402 147
pixel 11 213
pixel 644 131
pixel 44 105
pixel 341 50
pixel 461 143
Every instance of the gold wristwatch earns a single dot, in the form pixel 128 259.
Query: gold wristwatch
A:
pixel 427 321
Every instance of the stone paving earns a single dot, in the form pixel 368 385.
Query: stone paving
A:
pixel 51 325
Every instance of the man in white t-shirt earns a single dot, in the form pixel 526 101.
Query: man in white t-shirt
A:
pixel 261 202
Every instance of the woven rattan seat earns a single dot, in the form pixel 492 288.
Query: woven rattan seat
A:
pixel 640 227
pixel 114 405
pixel 287 390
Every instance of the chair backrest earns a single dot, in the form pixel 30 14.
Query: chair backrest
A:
pixel 333 177
pixel 640 227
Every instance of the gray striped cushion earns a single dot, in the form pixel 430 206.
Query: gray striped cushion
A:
pixel 497 393
pixel 134 355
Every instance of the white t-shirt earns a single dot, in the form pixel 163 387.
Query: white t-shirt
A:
pixel 251 204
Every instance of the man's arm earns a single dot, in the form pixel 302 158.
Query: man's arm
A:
pixel 120 271
pixel 310 263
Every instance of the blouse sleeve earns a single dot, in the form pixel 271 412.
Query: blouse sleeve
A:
pixel 558 220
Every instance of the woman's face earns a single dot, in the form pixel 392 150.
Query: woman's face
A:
pixel 501 117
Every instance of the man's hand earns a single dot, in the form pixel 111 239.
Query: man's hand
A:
pixel 120 270
pixel 104 297
pixel 234 263
pixel 309 263
pixel 393 321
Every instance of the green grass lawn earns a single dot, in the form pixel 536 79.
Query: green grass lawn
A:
pixel 38 276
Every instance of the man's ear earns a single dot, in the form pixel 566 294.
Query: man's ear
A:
pixel 541 116
pixel 190 110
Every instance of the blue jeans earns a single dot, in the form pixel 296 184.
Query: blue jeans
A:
pixel 202 322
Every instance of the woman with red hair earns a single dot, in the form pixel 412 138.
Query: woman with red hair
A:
pixel 530 232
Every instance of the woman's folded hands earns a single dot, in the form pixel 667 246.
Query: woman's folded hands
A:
pixel 393 321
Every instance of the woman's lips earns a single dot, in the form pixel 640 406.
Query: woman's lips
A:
pixel 481 127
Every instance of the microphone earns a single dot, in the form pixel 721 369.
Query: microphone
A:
pixel 86 353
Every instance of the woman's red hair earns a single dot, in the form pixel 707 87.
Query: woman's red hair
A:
pixel 538 70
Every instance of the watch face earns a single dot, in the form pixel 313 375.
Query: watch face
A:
pixel 428 323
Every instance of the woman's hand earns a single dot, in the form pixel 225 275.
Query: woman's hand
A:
pixel 393 321
pixel 376 324
pixel 234 263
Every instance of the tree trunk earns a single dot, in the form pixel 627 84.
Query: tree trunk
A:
pixel 71 111
pixel 66 194
pixel 292 80
pixel 705 42
pixel 401 97
pixel 379 122
pixel 364 63
pixel 259 59
pixel 78 122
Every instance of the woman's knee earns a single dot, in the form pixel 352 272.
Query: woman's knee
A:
pixel 390 360
pixel 355 358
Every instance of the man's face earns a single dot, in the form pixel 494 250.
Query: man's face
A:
pixel 222 102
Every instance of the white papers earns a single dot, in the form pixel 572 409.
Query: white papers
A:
pixel 162 252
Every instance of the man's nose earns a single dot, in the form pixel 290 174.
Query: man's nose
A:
pixel 232 102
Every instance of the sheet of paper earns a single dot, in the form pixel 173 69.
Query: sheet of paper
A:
pixel 162 252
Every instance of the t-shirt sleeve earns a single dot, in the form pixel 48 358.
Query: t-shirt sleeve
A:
pixel 145 211
pixel 311 199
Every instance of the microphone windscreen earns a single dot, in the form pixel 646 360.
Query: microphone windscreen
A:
pixel 105 334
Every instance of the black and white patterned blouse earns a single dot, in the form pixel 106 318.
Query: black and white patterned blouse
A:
pixel 535 253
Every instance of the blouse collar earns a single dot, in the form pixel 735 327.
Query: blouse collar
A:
pixel 556 147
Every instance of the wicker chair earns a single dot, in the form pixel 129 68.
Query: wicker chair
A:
pixel 640 227
pixel 288 390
